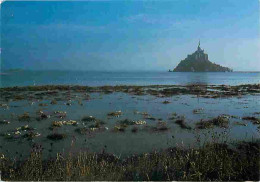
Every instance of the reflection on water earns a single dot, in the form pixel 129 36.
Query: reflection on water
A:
pixel 198 79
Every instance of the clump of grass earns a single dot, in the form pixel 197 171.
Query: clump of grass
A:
pixel 56 136
pixel 211 162
pixel 220 121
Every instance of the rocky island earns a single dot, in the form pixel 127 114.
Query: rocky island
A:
pixel 199 62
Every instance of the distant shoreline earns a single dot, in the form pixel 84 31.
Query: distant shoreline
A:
pixel 116 71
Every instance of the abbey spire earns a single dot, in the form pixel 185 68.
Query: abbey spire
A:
pixel 199 46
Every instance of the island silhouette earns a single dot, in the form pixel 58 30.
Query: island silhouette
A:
pixel 199 62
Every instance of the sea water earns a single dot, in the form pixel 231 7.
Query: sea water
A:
pixel 97 78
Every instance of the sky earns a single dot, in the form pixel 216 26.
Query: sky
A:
pixel 128 35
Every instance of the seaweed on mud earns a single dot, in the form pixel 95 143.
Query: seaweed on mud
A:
pixel 173 116
pixel 88 119
pixel 54 102
pixel 60 114
pixel 221 121
pixel 115 114
pixel 61 123
pixel 42 115
pixel 160 127
pixel 4 122
pixel 25 127
pixel 97 124
pixel 127 122
pixel 31 135
pixel 19 97
pixel 149 117
pixel 4 106
pixel 24 117
pixel 166 102
pixel 182 124
pixel 211 91
pixel 56 136
pixel 197 111
pixel 253 119
pixel 43 104
pixel 16 134
pixel 82 131
pixel 240 124
pixel 120 128
pixel 134 129
pixel 204 124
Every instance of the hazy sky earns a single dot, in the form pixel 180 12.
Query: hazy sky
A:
pixel 129 35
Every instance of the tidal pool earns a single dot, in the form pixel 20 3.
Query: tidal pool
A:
pixel 144 138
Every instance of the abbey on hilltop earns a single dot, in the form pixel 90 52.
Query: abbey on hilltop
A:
pixel 199 62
